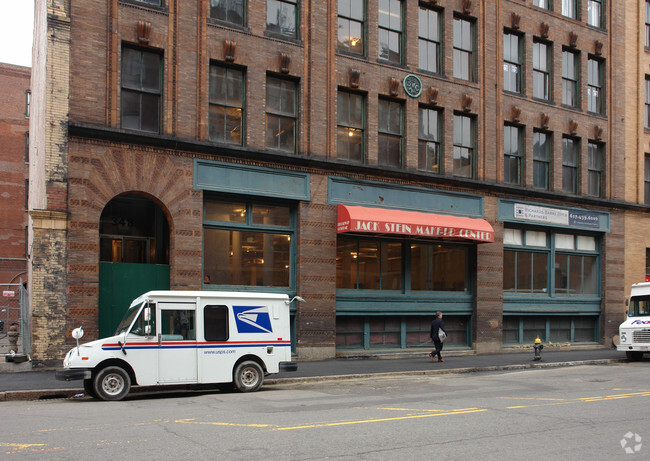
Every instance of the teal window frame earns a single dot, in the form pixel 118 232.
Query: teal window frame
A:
pixel 516 325
pixel 430 40
pixel 430 139
pixel 349 20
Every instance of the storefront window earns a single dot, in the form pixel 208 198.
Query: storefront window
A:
pixel 367 264
pixel 247 244
pixel 528 255
pixel 436 267
pixel 374 264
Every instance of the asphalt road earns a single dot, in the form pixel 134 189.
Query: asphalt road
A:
pixel 578 413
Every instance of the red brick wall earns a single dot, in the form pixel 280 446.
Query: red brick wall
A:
pixel 14 81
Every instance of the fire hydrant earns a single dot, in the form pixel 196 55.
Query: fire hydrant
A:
pixel 538 346
pixel 12 333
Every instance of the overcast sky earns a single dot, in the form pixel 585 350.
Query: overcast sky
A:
pixel 16 30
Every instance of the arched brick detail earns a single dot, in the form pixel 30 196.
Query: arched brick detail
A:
pixel 98 174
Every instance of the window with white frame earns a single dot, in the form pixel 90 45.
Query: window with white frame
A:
pixel 512 154
pixel 463 146
pixel 542 143
pixel 512 59
pixel 595 75
pixel 391 133
pixel 595 13
pixel 281 114
pixel 570 8
pixel 463 49
pixel 429 39
pixel 351 26
pixel 350 134
pixel 570 151
pixel 541 70
pixel 390 30
pixel 429 139
pixel 227 90
pixel 231 11
pixel 282 17
pixel 595 169
pixel 570 72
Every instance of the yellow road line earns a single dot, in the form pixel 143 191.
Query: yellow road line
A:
pixel 379 420
pixel 215 423
pixel 21 446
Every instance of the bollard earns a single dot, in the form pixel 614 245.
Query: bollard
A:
pixel 538 346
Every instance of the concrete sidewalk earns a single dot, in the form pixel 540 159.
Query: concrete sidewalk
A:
pixel 31 385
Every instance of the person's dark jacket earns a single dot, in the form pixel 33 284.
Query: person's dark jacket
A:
pixel 435 326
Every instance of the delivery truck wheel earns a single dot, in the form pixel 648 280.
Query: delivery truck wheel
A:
pixel 248 376
pixel 112 383
pixel 89 387
pixel 634 356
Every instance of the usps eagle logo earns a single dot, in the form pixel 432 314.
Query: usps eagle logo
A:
pixel 252 319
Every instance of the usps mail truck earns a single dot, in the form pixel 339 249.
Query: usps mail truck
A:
pixel 187 337
pixel 634 332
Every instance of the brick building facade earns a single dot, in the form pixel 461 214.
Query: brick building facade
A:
pixel 14 133
pixel 246 131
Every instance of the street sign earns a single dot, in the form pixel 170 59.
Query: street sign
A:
pixel 8 294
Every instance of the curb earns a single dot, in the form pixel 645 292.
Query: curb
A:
pixel 47 394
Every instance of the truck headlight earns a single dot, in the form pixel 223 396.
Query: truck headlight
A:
pixel 623 337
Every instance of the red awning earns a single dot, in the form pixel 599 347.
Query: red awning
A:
pixel 399 222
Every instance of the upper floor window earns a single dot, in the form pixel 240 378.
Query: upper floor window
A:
pixel 463 49
pixel 570 8
pixel 463 146
pixel 595 169
pixel 542 4
pixel 282 17
pixel 429 44
pixel 28 102
pixel 512 154
pixel 390 30
pixel 226 104
pixel 541 70
pixel 429 140
pixel 570 150
pixel 595 85
pixel 646 180
pixel 647 24
pixel 569 78
pixel 150 2
pixel 647 102
pixel 391 133
pixel 351 26
pixel 595 13
pixel 141 91
pixel 232 11
pixel 350 130
pixel 512 62
pixel 281 116
pixel 541 159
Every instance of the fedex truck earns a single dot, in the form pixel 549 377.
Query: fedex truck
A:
pixel 634 333
pixel 187 337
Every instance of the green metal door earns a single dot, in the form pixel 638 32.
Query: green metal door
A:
pixel 120 284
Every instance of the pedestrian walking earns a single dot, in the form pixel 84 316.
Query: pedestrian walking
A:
pixel 438 335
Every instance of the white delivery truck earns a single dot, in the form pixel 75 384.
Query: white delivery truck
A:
pixel 187 337
pixel 634 333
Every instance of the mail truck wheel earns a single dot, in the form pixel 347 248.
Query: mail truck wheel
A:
pixel 248 376
pixel 89 387
pixel 634 356
pixel 112 383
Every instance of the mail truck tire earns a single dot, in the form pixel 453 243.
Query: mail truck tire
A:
pixel 89 387
pixel 112 383
pixel 248 376
pixel 634 356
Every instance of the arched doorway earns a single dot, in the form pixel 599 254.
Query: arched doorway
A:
pixel 133 256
